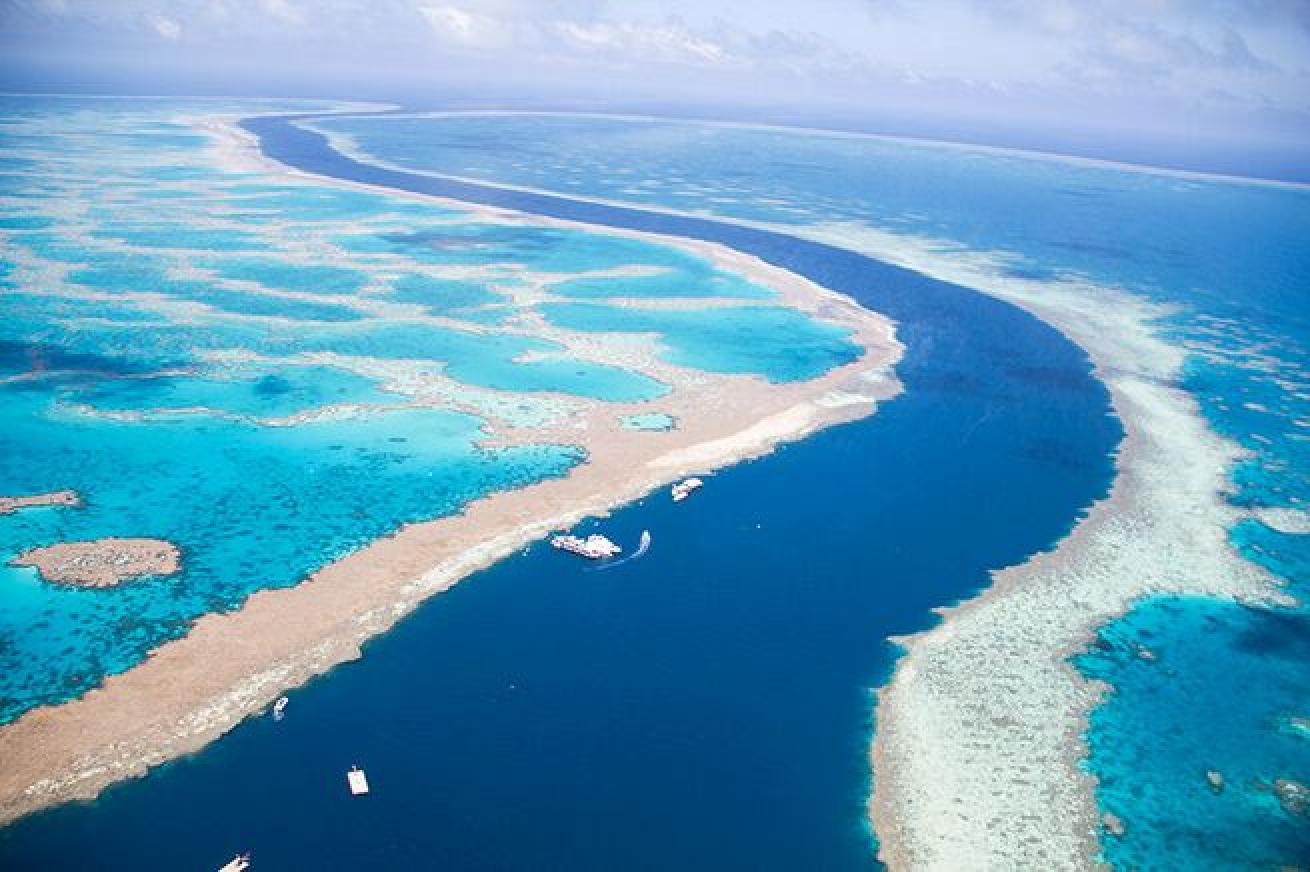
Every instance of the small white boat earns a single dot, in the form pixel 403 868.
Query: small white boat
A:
pixel 594 547
pixel 239 863
pixel 357 781
pixel 279 708
pixel 685 488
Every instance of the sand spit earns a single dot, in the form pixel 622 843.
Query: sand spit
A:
pixel 194 689
pixel 102 562
pixel 54 498
pixel 980 737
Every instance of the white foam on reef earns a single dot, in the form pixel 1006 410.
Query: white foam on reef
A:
pixel 981 730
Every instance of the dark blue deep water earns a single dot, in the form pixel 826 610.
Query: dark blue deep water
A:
pixel 707 706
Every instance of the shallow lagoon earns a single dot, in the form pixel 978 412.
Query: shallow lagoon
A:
pixel 782 345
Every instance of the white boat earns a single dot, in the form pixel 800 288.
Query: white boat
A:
pixel 239 863
pixel 279 708
pixel 357 780
pixel 685 488
pixel 594 547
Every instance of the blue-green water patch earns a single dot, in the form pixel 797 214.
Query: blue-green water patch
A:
pixel 181 236
pixel 480 359
pixel 10 163
pixel 25 222
pixel 134 274
pixel 442 296
pixel 128 273
pixel 697 282
pixel 154 193
pixel 649 421
pixel 548 249
pixel 270 392
pixel 1286 555
pixel 178 174
pixel 50 246
pixel 1179 668
pixel 322 203
pixel 261 305
pixel 298 277
pixel 780 344
pixel 33 313
pixel 161 141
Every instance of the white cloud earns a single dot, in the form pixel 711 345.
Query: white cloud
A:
pixel 164 26
pixel 670 42
pixel 568 32
pixel 283 11
pixel 1115 57
pixel 466 28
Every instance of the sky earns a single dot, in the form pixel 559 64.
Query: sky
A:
pixel 1206 75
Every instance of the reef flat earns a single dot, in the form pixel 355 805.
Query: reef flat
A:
pixel 985 711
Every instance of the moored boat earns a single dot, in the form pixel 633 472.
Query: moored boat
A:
pixel 357 781
pixel 594 547
pixel 685 488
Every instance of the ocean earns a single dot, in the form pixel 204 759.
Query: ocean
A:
pixel 707 704
pixel 1228 261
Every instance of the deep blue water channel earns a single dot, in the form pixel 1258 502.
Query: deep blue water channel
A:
pixel 708 706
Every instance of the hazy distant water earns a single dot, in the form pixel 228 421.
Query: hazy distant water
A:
pixel 1232 257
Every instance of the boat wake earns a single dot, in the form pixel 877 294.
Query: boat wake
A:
pixel 642 547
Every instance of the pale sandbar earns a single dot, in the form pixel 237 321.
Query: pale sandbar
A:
pixel 53 498
pixel 102 562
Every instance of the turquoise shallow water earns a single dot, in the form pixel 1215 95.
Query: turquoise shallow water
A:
pixel 260 392
pixel 298 277
pixel 1230 257
pixel 650 421
pixel 250 506
pixel 781 343
pixel 204 363
pixel 444 296
pixel 1219 693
